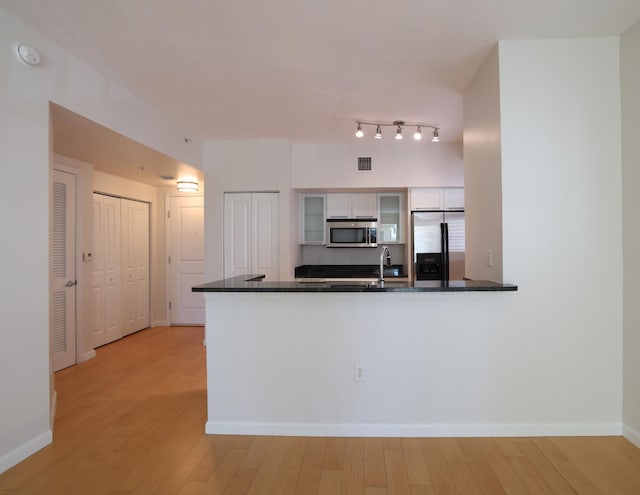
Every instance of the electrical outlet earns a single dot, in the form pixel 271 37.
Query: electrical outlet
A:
pixel 358 373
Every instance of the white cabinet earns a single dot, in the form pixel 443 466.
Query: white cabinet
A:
pixel 313 218
pixel 427 198
pixel 364 205
pixel 390 218
pixel 351 205
pixel 454 198
pixel 437 198
pixel 251 244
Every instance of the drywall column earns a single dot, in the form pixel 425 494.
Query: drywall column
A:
pixel 630 82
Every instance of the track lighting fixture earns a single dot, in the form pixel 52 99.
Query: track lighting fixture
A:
pixel 398 124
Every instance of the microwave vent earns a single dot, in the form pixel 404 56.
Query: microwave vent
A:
pixel 364 164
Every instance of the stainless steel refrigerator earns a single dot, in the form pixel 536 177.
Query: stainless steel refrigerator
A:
pixel 438 245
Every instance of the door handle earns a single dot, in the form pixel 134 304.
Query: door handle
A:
pixel 71 283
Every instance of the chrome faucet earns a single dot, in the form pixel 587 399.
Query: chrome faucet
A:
pixel 384 251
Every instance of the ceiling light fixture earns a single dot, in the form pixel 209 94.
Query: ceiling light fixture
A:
pixel 188 185
pixel 398 124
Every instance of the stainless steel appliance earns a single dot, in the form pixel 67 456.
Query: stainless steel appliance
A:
pixel 344 232
pixel 438 245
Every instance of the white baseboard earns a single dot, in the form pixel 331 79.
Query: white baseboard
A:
pixel 631 435
pixel 52 409
pixel 413 430
pixel 160 323
pixel 23 451
pixel 87 355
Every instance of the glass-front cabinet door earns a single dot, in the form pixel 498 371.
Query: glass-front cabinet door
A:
pixel 313 218
pixel 390 218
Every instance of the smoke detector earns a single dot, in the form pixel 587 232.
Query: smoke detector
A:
pixel 27 54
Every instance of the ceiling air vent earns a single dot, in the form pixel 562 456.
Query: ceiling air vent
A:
pixel 364 164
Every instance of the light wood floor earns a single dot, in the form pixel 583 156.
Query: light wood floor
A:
pixel 131 421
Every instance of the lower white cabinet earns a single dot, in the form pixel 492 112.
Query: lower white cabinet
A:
pixel 251 244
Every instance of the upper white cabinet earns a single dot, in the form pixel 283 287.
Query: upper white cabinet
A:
pixel 313 218
pixel 390 218
pixel 454 198
pixel 351 205
pixel 437 198
pixel 427 198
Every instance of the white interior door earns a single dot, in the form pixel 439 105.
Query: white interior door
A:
pixel 107 325
pixel 186 259
pixel 237 234
pixel 63 270
pixel 135 265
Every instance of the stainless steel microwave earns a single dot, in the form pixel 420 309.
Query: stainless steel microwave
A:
pixel 345 232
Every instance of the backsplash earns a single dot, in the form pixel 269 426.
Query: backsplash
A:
pixel 320 255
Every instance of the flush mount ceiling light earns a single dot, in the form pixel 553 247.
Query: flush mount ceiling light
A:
pixel 27 55
pixel 398 124
pixel 188 185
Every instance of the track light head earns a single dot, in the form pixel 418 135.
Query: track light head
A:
pixel 359 132
pixel 418 134
pixel 378 133
pixel 399 133
pixel 436 138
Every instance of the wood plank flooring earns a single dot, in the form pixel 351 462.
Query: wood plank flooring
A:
pixel 131 421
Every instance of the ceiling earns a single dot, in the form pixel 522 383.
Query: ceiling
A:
pixel 306 70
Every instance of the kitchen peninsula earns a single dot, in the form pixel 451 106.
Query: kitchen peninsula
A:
pixel 348 358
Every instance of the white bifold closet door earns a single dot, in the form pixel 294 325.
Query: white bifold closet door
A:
pixel 120 267
pixel 107 270
pixel 135 265
pixel 251 235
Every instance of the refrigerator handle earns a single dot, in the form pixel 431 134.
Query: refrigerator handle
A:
pixel 444 232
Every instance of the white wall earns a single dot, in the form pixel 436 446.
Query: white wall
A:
pixel 546 359
pixel 483 172
pixel 248 166
pixel 630 82
pixel 25 93
pixel 394 164
pixel 118 186
pixel 561 210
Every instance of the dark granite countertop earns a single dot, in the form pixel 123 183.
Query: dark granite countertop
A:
pixel 347 271
pixel 254 283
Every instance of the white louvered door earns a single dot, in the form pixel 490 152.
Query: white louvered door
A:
pixel 63 271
